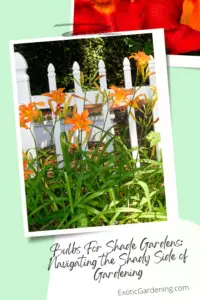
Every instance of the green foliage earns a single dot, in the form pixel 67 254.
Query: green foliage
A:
pixel 87 188
pixel 87 52
pixel 96 190
pixel 153 138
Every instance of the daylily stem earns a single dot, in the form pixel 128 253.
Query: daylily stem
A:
pixel 69 193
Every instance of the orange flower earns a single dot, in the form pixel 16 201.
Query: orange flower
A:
pixel 142 62
pixel 29 113
pixel 134 103
pixel 57 110
pixel 56 96
pixel 120 95
pixel 23 123
pixel 105 6
pixel 27 172
pixel 191 14
pixel 79 121
pixel 140 57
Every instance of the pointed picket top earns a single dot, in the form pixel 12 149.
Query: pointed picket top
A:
pixel 76 72
pixel 51 68
pixel 101 65
pixel 126 64
pixel 126 61
pixel 102 72
pixel 23 89
pixel 52 77
pixel 78 87
pixel 20 62
pixel 127 73
pixel 76 67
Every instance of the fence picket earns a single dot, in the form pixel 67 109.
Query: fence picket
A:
pixel 152 81
pixel 79 102
pixel 106 113
pixel 57 130
pixel 132 123
pixel 24 97
pixel 52 77
pixel 102 73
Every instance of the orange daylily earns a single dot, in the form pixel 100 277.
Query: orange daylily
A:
pixel 57 110
pixel 29 113
pixel 23 123
pixel 56 96
pixel 27 172
pixel 140 57
pixel 141 62
pixel 79 121
pixel 105 6
pixel 134 102
pixel 120 95
pixel 191 13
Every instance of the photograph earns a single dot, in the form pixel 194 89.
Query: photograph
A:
pixel 94 132
pixel 179 18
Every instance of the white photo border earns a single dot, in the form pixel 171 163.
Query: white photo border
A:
pixel 165 126
pixel 184 61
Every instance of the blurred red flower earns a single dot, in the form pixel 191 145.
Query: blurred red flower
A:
pixel 179 18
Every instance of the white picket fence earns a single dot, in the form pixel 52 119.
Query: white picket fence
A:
pixel 42 136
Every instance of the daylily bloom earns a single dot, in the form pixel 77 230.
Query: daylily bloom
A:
pixel 140 57
pixel 120 95
pixel 79 121
pixel 27 171
pixel 56 96
pixel 134 103
pixel 23 123
pixel 29 113
pixel 57 110
pixel 142 62
pixel 105 6
pixel 179 18
pixel 191 14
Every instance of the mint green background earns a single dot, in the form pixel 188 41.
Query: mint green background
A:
pixel 23 267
